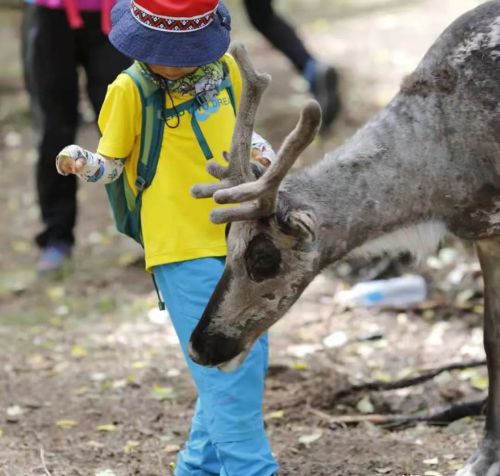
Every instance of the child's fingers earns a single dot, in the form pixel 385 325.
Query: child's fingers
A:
pixel 65 164
pixel 70 160
pixel 68 165
pixel 258 157
pixel 78 165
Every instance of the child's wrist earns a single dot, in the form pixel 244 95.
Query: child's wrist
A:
pixel 262 149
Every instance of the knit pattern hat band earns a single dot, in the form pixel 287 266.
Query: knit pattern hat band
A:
pixel 150 31
pixel 168 23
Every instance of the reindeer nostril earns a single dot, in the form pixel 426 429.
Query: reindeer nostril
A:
pixel 213 349
pixel 195 357
pixel 269 296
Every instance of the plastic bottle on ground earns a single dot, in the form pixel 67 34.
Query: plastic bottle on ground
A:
pixel 398 292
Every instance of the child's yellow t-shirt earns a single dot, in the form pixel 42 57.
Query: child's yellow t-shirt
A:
pixel 175 226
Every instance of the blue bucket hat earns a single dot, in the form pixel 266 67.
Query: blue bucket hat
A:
pixel 178 33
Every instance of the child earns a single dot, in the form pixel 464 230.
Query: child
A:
pixel 181 45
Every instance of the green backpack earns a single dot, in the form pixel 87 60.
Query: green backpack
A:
pixel 125 203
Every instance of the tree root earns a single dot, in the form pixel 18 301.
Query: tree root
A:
pixel 440 418
pixel 378 386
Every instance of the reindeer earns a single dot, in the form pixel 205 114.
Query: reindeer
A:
pixel 426 165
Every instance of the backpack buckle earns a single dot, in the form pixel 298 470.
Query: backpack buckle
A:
pixel 201 99
pixel 140 184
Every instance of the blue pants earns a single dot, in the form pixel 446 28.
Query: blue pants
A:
pixel 227 435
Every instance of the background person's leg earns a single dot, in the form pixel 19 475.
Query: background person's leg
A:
pixel 278 32
pixel 55 69
pixel 29 28
pixel 322 78
pixel 101 61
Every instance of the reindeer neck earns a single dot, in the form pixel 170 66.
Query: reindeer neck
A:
pixel 394 184
pixel 427 163
pixel 375 183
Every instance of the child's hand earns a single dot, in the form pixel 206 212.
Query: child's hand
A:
pixel 259 157
pixel 71 160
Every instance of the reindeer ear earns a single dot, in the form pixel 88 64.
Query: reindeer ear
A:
pixel 297 221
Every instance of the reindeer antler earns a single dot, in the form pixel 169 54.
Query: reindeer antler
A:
pixel 238 171
pixel 257 197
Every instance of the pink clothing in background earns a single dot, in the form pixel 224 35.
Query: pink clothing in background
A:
pixel 74 7
pixel 82 5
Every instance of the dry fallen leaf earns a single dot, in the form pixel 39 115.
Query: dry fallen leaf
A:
pixel 277 415
pixel 117 384
pixel 386 470
pixel 97 377
pixel 479 382
pixel 299 366
pixel 55 293
pixel 105 472
pixel 140 364
pixel 365 405
pixel 131 446
pixel 81 391
pixel 455 465
pixel 107 427
pixel 383 377
pixel 14 412
pixel 21 246
pixel 307 440
pixel 172 373
pixel 65 424
pixel 172 448
pixel 335 340
pixel 162 393
pixel 78 351
pixel 95 444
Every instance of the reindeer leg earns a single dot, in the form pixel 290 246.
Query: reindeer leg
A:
pixel 486 459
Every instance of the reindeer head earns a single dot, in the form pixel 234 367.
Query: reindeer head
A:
pixel 271 253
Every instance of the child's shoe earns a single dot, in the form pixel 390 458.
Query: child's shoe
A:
pixel 55 260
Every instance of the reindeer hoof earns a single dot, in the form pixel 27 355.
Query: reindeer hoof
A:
pixel 484 462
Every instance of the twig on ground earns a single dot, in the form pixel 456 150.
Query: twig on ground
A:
pixel 374 418
pixel 455 412
pixel 443 417
pixel 44 465
pixel 407 382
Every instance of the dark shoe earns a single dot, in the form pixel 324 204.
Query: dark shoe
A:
pixel 325 90
pixel 55 260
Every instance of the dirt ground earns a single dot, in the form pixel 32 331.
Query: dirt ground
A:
pixel 92 381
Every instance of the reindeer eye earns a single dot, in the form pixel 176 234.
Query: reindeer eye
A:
pixel 262 258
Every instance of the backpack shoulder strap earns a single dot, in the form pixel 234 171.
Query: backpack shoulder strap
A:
pixel 227 85
pixel 152 103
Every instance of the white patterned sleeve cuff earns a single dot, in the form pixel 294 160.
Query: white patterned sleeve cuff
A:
pixel 96 169
pixel 264 147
